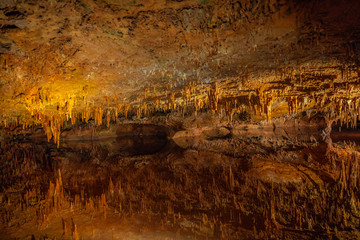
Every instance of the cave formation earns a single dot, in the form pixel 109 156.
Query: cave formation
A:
pixel 179 119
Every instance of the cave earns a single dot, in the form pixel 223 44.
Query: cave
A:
pixel 179 119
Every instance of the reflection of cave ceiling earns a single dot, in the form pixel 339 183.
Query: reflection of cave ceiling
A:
pixel 89 55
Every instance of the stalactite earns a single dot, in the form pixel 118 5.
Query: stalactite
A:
pixel 108 118
pixel 138 111
pixel 172 103
pixel 213 95
pixel 126 111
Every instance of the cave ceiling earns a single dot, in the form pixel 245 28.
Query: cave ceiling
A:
pixel 91 58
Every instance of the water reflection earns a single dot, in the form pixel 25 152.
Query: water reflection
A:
pixel 122 146
pixel 222 188
pixel 125 140
pixel 141 145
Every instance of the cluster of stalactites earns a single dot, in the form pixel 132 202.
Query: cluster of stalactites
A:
pixel 347 111
pixel 225 97
pixel 16 122
pixel 213 95
pixel 52 126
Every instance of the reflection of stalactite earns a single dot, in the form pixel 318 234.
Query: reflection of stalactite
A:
pixel 55 194
pixel 75 234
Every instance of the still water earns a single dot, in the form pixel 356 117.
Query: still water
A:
pixel 134 182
